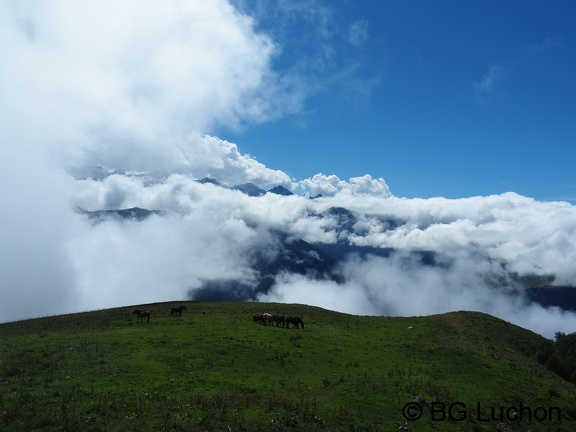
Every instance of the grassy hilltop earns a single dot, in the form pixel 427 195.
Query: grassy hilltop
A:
pixel 213 369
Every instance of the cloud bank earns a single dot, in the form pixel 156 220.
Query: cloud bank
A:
pixel 481 247
pixel 140 88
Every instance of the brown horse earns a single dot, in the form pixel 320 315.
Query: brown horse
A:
pixel 141 315
pixel 258 318
pixel 295 321
pixel 177 311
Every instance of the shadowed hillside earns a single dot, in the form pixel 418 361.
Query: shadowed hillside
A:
pixel 214 369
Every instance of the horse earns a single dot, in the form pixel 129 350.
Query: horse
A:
pixel 177 311
pixel 267 319
pixel 279 320
pixel 295 321
pixel 258 318
pixel 141 315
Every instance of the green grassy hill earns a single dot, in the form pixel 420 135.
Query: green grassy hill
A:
pixel 213 369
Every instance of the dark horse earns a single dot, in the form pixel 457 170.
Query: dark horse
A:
pixel 295 321
pixel 141 315
pixel 279 320
pixel 177 311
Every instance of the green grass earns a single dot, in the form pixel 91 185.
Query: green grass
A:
pixel 213 369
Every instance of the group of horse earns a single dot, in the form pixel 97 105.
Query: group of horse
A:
pixel 177 311
pixel 277 320
pixel 260 318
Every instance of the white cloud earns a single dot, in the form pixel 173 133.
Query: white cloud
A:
pixel 126 82
pixel 230 166
pixel 348 298
pixel 401 286
pixel 530 236
pixel 158 259
pixel 35 225
pixel 330 185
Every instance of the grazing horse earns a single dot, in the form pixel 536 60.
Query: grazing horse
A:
pixel 295 321
pixel 267 319
pixel 141 315
pixel 279 320
pixel 258 318
pixel 177 311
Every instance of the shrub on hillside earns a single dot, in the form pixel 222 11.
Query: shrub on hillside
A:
pixel 559 355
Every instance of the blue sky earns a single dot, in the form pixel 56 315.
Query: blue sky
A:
pixel 450 98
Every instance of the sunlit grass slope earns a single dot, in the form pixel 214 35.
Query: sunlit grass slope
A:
pixel 213 369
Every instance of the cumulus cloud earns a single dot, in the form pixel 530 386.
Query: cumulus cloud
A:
pixel 140 76
pixel 230 166
pixel 331 185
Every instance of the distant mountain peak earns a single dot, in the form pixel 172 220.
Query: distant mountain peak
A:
pixel 93 172
pixel 209 180
pixel 250 189
pixel 134 213
pixel 280 190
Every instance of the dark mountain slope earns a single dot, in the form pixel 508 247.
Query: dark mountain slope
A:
pixel 293 256
pixel 134 213
pixel 250 189
pixel 280 190
pixel 562 297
